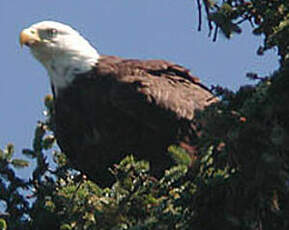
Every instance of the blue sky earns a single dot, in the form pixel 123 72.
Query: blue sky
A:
pixel 163 29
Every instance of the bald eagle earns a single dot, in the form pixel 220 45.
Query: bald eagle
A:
pixel 107 107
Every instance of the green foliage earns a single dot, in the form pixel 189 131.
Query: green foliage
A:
pixel 223 19
pixel 3 225
pixel 268 18
pixel 10 186
pixel 179 155
pixel 249 159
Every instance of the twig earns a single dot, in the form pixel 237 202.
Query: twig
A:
pixel 208 14
pixel 215 34
pixel 200 15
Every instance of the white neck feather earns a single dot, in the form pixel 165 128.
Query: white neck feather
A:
pixel 62 69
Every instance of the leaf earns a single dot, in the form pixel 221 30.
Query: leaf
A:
pixel 48 101
pixel 65 227
pixel 1 154
pixel 9 151
pixel 179 155
pixel 29 153
pixel 48 142
pixel 3 225
pixel 18 163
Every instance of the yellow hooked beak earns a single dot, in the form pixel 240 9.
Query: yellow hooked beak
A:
pixel 29 37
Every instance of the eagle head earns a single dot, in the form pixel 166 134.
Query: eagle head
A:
pixel 61 49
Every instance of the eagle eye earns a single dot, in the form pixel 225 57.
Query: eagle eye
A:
pixel 51 32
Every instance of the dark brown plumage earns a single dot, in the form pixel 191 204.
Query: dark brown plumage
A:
pixel 125 107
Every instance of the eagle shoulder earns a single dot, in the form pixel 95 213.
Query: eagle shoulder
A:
pixel 138 86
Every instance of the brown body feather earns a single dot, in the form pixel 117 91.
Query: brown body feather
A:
pixel 125 106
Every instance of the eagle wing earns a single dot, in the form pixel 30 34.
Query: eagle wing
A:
pixel 153 88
